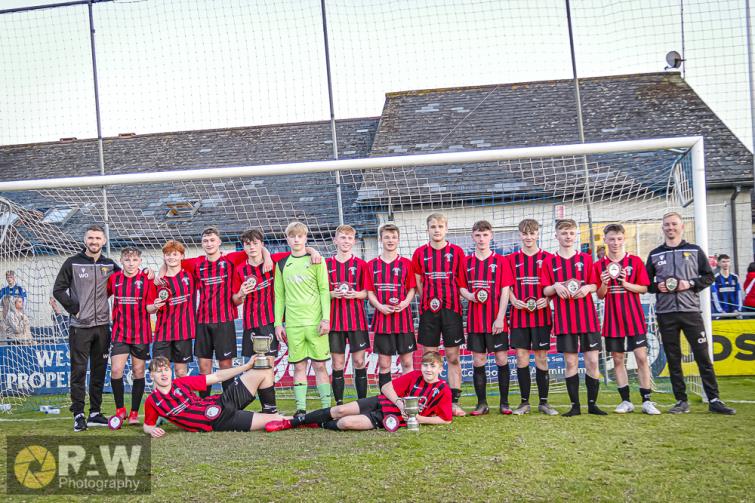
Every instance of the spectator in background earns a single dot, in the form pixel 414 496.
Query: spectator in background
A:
pixel 60 320
pixel 17 323
pixel 10 292
pixel 749 288
pixel 600 252
pixel 726 291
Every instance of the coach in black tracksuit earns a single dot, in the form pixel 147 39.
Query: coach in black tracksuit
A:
pixel 81 288
pixel 678 272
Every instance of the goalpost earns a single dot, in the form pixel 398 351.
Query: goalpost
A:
pixel 633 182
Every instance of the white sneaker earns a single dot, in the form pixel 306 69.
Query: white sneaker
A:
pixel 650 408
pixel 624 407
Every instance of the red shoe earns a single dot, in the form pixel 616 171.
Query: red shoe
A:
pixel 481 410
pixel 133 417
pixel 283 424
pixel 121 413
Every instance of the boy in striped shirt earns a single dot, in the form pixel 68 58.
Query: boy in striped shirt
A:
pixel 566 277
pixel 621 278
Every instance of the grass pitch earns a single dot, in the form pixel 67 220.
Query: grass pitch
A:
pixel 693 457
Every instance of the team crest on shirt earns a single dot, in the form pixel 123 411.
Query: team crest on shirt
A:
pixel 138 284
pixel 539 262
pixel 185 280
pixel 396 270
pixel 353 269
pixel 222 264
pixel 178 392
pixel 104 269
pixel 579 265
pixel 492 267
pixel 435 392
pixel 686 255
pixel 628 269
pixel 449 256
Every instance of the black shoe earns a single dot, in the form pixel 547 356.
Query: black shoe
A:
pixel 719 407
pixel 79 423
pixel 596 410
pixel 481 409
pixel 269 409
pixel 96 419
pixel 681 407
pixel 299 414
pixel 574 411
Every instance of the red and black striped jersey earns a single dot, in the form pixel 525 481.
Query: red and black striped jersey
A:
pixel 131 296
pixel 391 281
pixel 622 311
pixel 181 406
pixel 526 271
pixel 485 279
pixel 259 303
pixel 347 314
pixel 437 396
pixel 442 274
pixel 571 316
pixel 216 282
pixel 176 320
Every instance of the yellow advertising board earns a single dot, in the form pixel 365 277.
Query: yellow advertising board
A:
pixel 734 347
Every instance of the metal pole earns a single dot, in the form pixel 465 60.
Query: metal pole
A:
pixel 750 80
pixel 332 112
pixel 580 127
pixel 684 54
pixel 100 146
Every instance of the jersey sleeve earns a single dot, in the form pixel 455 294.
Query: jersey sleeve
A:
pixel 546 275
pixel 276 257
pixel 417 266
pixel 280 296
pixel 110 283
pixel 363 276
pixel 411 280
pixel 402 384
pixel 369 281
pixel 461 269
pixel 444 408
pixel 236 258
pixel 642 278
pixel 151 294
pixel 597 270
pixel 589 269
pixel 196 383
pixel 235 280
pixel 190 264
pixel 506 274
pixel 323 284
pixel 150 412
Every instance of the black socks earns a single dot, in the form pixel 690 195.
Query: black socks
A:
pixel 572 387
pixel 525 382
pixel 543 384
pixel 137 392
pixel 117 386
pixel 267 400
pixel 480 383
pixel 360 382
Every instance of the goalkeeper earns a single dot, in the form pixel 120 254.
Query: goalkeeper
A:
pixel 302 298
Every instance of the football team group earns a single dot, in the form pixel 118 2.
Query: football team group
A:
pixel 317 307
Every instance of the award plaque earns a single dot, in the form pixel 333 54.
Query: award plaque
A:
pixel 413 405
pixel 261 345
pixel 573 286
pixel 343 288
pixel 251 281
pixel 614 270
pixel 212 412
pixel 531 305
pixel 115 422
pixel 435 305
pixel 482 296
pixel 163 294
pixel 391 423
pixel 394 301
pixel 671 284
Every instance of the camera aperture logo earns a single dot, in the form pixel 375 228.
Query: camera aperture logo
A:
pixel 90 465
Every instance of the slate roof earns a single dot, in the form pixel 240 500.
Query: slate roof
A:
pixel 139 211
pixel 544 113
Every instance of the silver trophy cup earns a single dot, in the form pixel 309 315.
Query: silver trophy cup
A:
pixel 413 405
pixel 261 345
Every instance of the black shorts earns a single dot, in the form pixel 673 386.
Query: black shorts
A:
pixel 232 402
pixel 140 351
pixel 534 338
pixel 395 344
pixel 370 407
pixel 446 322
pixel 217 337
pixel 175 351
pixel 266 330
pixel 359 340
pixel 626 344
pixel 487 343
pixel 575 343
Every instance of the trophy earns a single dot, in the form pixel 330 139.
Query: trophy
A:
pixel 261 346
pixel 251 282
pixel 435 305
pixel 531 305
pixel 394 301
pixel 163 294
pixel 614 270
pixel 343 288
pixel 572 286
pixel 481 296
pixel 413 405
pixel 671 284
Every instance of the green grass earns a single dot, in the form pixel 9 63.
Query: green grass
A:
pixel 694 457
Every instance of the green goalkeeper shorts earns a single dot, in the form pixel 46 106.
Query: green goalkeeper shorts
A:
pixel 307 343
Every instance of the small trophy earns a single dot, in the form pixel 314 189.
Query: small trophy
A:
pixel 481 296
pixel 614 270
pixel 572 286
pixel 671 284
pixel 435 305
pixel 261 346
pixel 394 301
pixel 531 305
pixel 413 405
pixel 343 288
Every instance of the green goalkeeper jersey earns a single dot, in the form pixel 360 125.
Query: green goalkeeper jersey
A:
pixel 302 292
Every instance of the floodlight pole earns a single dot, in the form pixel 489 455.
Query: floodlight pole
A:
pixel 581 128
pixel 333 135
pixel 100 145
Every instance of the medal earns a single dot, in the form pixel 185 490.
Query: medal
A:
pixel 614 270
pixel 342 287
pixel 572 286
pixel 394 301
pixel 435 305
pixel 531 305
pixel 482 295
pixel 671 284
